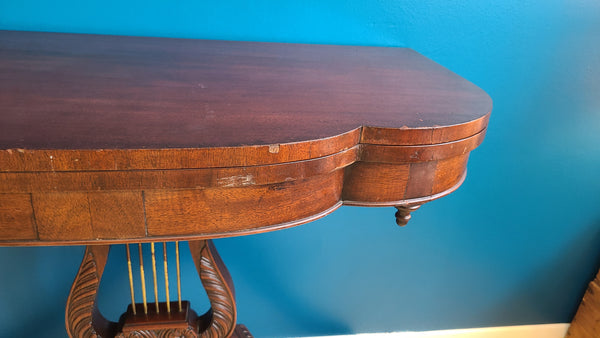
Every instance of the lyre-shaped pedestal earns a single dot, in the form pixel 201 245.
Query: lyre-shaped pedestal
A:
pixel 83 318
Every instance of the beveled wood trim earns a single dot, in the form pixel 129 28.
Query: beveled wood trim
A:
pixel 221 211
pixel 423 136
pixel 22 161
pixel 243 232
pixel 422 153
pixel 175 179
pixel 409 201
pixel 58 160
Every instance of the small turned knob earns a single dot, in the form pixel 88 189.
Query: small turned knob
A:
pixel 403 213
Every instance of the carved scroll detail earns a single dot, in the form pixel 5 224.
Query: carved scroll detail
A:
pixel 81 302
pixel 82 317
pixel 219 321
pixel 84 320
pixel 165 333
pixel 403 215
pixel 241 331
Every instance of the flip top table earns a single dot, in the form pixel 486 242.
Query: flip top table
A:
pixel 109 140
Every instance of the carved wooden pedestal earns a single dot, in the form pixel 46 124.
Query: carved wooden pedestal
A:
pixel 83 319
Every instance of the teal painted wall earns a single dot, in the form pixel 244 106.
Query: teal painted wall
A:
pixel 516 244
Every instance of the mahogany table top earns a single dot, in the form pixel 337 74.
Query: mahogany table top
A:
pixel 161 121
pixel 76 91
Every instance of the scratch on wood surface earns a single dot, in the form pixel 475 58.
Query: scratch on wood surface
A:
pixel 274 148
pixel 19 150
pixel 236 181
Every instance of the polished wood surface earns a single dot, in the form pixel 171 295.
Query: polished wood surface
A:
pixel 111 139
pixel 70 91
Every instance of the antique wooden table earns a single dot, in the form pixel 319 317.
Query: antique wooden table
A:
pixel 110 140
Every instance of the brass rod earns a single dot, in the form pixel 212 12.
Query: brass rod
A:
pixel 154 275
pixel 166 277
pixel 130 279
pixel 178 277
pixel 143 279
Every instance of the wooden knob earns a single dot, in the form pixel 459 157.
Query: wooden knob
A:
pixel 403 213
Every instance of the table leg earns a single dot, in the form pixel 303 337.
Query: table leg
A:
pixel 219 321
pixel 83 319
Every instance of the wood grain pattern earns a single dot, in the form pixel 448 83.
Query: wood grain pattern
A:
pixel 133 93
pixel 375 182
pixel 63 216
pixel 56 160
pixel 117 214
pixel 206 211
pixel 115 139
pixel 422 136
pixel 108 139
pixel 410 154
pixel 16 217
pixel 421 179
pixel 175 179
pixel 449 171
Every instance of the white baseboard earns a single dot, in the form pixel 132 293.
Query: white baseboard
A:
pixel 521 331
